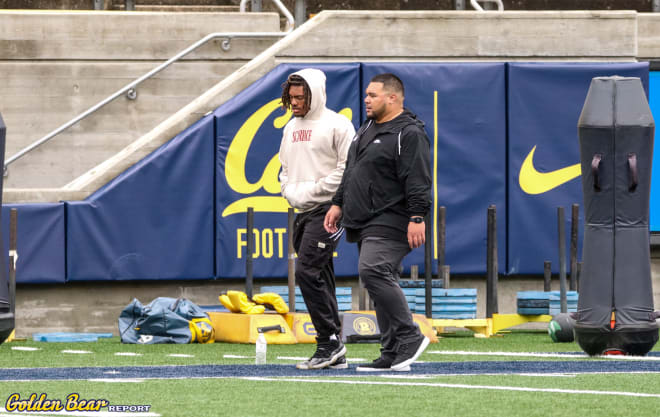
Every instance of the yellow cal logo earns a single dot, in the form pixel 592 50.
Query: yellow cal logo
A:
pixel 237 157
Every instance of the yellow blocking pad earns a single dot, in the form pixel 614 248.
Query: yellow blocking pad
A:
pixel 425 325
pixel 504 321
pixel 302 327
pixel 12 336
pixel 242 328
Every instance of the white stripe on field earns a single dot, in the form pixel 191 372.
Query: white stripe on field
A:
pixel 24 348
pixel 542 355
pixel 238 357
pixel 133 380
pixel 462 386
pixel 127 354
pixel 300 358
pixel 181 355
pixel 77 352
pixel 75 413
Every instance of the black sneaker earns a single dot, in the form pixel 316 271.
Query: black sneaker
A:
pixel 408 353
pixel 379 365
pixel 340 363
pixel 327 353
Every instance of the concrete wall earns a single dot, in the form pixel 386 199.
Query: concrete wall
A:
pixel 331 36
pixel 55 65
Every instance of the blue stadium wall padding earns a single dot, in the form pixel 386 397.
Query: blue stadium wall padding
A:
pixel 469 121
pixel 39 242
pixel 249 131
pixel 654 103
pixel 544 104
pixel 154 221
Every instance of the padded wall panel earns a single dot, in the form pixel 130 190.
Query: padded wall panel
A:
pixel 544 104
pixel 39 240
pixel 154 221
pixel 249 131
pixel 463 106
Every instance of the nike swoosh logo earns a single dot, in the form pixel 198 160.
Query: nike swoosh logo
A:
pixel 534 182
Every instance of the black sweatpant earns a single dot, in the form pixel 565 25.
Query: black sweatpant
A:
pixel 379 270
pixel 315 273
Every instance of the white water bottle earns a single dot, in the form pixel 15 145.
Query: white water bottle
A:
pixel 262 346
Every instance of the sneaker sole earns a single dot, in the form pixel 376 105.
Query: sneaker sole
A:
pixel 330 361
pixel 340 366
pixel 367 369
pixel 401 366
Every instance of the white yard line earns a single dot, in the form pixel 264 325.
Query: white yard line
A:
pixel 180 355
pixel 77 352
pixel 300 358
pixel 24 348
pixel 127 354
pixel 541 355
pixel 460 386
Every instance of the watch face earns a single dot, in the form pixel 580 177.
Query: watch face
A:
pixel 416 219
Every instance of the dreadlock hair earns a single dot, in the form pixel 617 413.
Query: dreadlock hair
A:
pixel 295 80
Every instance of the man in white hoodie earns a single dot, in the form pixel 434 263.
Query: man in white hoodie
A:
pixel 313 156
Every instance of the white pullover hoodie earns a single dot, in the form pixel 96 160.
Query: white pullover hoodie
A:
pixel 313 149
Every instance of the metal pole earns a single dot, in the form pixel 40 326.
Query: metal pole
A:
pixel 428 273
pixel 98 4
pixel 575 209
pixel 656 6
pixel 130 5
pixel 256 5
pixel 547 275
pixel 13 257
pixel 300 12
pixel 579 274
pixel 491 263
pixel 291 262
pixel 460 4
pixel 250 252
pixel 562 259
pixel 442 236
pixel 445 276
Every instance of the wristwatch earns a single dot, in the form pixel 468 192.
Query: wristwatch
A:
pixel 417 219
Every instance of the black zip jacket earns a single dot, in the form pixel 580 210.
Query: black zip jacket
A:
pixel 388 180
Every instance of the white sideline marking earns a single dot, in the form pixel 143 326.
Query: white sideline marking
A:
pixel 77 352
pixel 135 380
pixel 25 348
pixel 464 386
pixel 542 355
pixel 127 354
pixel 238 357
pixel 181 355
pixel 297 358
pixel 74 413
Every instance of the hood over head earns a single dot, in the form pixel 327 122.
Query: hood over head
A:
pixel 316 80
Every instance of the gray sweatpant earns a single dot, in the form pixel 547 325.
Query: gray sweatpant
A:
pixel 378 267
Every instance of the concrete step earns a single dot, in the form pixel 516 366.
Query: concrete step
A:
pixel 183 8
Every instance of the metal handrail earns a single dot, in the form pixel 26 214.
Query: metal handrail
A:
pixel 477 6
pixel 129 88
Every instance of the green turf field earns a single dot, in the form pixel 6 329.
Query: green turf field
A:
pixel 392 394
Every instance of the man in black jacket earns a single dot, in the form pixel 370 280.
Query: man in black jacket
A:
pixel 381 201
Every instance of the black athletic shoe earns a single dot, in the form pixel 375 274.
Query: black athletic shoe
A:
pixel 408 353
pixel 379 365
pixel 327 353
pixel 340 363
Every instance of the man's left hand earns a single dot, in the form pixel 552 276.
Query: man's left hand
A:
pixel 416 234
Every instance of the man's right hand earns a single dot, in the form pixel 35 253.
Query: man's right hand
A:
pixel 331 219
